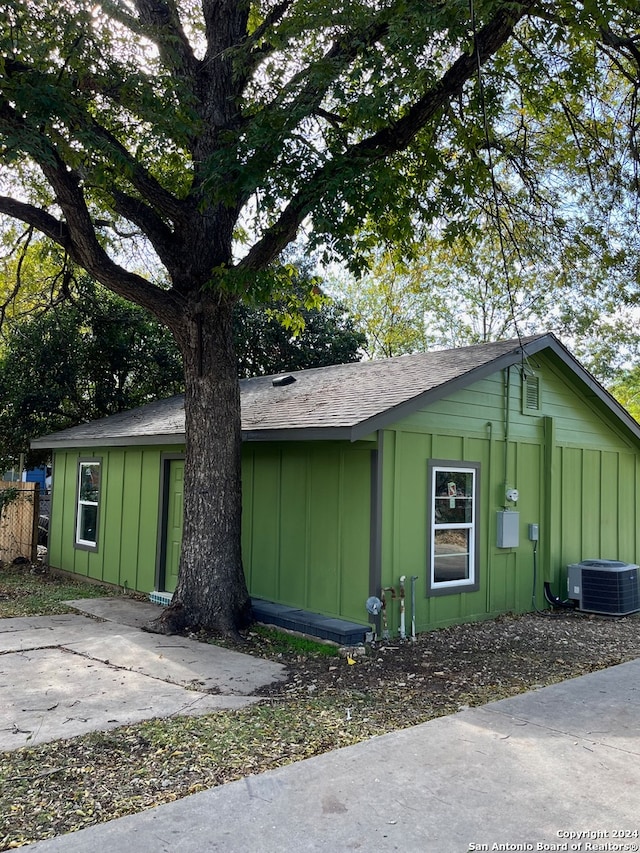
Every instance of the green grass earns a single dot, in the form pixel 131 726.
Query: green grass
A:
pixel 280 642
pixel 25 594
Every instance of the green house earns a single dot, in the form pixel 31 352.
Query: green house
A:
pixel 481 472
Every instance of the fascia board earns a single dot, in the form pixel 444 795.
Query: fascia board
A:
pixel 595 388
pixel 104 441
pixel 299 434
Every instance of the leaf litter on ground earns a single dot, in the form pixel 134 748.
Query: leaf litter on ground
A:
pixel 325 704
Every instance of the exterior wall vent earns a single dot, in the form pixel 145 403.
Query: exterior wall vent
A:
pixel 530 393
pixel 604 586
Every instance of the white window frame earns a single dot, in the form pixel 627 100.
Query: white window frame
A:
pixel 84 502
pixel 470 583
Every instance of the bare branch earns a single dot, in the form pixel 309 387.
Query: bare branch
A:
pixel 37 218
pixel 148 222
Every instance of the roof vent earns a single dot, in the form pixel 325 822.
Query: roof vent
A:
pixel 279 381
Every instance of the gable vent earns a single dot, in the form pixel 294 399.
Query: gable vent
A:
pixel 532 393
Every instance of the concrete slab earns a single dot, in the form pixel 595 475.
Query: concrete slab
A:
pixel 536 772
pixel 175 659
pixel 119 609
pixel 197 666
pixel 61 676
pixel 53 693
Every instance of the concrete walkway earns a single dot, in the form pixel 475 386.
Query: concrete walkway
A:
pixel 554 769
pixel 62 676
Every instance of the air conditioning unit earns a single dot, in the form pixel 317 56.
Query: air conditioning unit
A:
pixel 604 586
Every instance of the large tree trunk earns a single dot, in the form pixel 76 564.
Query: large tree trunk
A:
pixel 211 591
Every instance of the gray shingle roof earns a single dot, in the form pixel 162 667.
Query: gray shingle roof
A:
pixel 342 401
pixel 348 395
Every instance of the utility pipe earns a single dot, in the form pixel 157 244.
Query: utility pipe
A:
pixel 507 427
pixel 383 599
pixel 414 578
pixel 403 633
pixel 558 602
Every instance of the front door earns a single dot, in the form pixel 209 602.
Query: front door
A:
pixel 175 505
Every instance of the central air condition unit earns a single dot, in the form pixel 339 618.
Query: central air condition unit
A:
pixel 604 586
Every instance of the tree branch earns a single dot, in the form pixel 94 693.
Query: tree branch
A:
pixel 151 189
pixel 162 25
pixel 150 224
pixel 317 81
pixel 91 257
pixel 392 139
pixel 254 48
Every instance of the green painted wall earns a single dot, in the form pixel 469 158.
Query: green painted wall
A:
pixel 127 520
pixel 306 525
pixel 577 474
pixel 307 534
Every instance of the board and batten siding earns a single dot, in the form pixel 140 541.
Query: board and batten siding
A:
pixel 127 516
pixel 577 473
pixel 306 525
pixel 308 539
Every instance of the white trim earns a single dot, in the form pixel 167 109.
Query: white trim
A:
pixel 469 554
pixel 81 503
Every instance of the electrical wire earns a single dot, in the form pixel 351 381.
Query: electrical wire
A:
pixel 495 209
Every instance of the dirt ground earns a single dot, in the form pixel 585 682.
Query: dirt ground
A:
pixel 328 701
pixel 465 665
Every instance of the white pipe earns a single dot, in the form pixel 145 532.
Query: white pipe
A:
pixel 403 633
pixel 414 578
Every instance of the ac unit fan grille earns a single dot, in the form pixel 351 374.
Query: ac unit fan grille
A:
pixel 604 593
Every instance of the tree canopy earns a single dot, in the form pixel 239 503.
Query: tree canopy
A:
pixel 201 137
pixel 87 357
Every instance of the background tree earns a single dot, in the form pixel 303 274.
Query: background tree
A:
pixel 302 330
pixel 465 289
pixel 626 388
pixel 87 357
pixel 549 240
pixel 92 354
pixel 192 126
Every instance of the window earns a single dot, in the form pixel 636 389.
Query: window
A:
pixel 88 504
pixel 453 527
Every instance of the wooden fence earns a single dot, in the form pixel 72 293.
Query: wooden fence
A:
pixel 19 516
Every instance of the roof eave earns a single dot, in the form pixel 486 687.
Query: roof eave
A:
pixel 341 433
pixel 113 441
pixel 597 390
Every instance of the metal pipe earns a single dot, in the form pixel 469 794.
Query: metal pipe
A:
pixel 403 633
pixel 383 599
pixel 414 578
